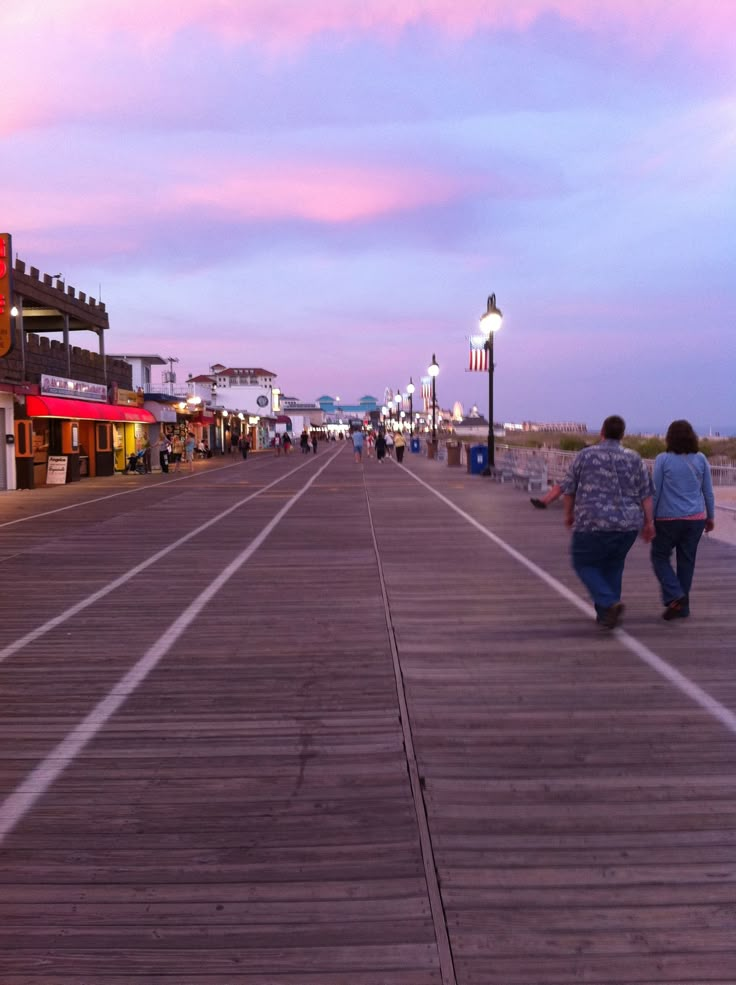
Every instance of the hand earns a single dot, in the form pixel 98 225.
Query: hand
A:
pixel 569 520
pixel 710 525
pixel 648 532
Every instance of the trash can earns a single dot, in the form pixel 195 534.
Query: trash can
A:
pixel 478 459
pixel 415 446
pixel 453 453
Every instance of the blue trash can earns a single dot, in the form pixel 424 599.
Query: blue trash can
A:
pixel 478 459
pixel 415 445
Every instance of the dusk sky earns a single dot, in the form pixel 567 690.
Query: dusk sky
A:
pixel 330 190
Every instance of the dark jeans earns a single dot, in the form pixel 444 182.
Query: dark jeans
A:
pixel 399 453
pixel 682 537
pixel 598 558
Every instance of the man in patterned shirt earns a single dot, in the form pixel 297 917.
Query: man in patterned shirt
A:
pixel 608 501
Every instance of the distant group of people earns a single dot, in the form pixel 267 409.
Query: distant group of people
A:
pixel 384 443
pixel 308 442
pixel 281 442
pixel 174 450
pixel 610 499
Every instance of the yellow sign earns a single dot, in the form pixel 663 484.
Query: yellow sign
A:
pixel 6 294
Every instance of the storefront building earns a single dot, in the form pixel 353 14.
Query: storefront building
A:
pixel 59 421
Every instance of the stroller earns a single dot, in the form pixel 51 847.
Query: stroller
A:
pixel 135 462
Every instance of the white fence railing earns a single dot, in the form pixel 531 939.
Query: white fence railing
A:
pixel 558 462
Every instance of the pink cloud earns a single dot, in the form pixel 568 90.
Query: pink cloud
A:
pixel 702 23
pixel 310 191
pixel 326 193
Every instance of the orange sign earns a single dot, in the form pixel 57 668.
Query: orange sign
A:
pixel 6 294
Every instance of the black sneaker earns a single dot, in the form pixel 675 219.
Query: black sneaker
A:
pixel 677 609
pixel 538 503
pixel 612 615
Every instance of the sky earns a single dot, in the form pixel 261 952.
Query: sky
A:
pixel 331 190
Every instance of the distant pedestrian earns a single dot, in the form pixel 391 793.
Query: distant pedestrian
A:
pixel 304 442
pixel 380 446
pixel 177 452
pixel 286 442
pixel 189 446
pixel 399 446
pixel 233 446
pixel 608 501
pixel 370 444
pixel 277 444
pixel 684 507
pixel 244 445
pixel 389 444
pixel 314 442
pixel 163 447
pixel 357 437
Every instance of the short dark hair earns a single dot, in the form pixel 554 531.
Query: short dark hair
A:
pixel 613 428
pixel 680 438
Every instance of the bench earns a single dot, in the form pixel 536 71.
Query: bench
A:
pixel 532 479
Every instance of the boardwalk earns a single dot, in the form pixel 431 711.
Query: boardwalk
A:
pixel 301 722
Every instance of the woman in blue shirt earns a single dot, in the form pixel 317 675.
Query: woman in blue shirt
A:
pixel 684 507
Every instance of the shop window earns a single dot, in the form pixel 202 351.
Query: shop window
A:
pixel 23 439
pixel 103 437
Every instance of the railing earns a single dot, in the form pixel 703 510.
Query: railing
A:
pixel 558 462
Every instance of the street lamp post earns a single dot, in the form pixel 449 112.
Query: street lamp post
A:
pixel 398 400
pixel 490 323
pixel 433 371
pixel 410 391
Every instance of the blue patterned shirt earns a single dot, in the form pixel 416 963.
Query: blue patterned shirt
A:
pixel 609 483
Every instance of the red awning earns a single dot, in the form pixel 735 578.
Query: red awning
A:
pixel 85 410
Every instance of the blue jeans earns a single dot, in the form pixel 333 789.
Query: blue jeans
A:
pixel 682 537
pixel 598 558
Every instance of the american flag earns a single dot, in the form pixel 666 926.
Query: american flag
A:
pixel 478 354
pixel 427 392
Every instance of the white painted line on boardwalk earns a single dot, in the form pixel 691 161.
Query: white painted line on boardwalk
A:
pixel 73 610
pixel 123 492
pixel 689 688
pixel 17 805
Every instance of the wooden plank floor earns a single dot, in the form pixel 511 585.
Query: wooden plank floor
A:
pixel 246 815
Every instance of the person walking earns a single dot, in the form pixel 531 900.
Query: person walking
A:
pixel 164 447
pixel 684 507
pixel 389 444
pixel 314 442
pixel 400 446
pixel 608 502
pixel 380 446
pixel 286 440
pixel 304 442
pixel 244 445
pixel 277 444
pixel 177 451
pixel 357 437
pixel 189 446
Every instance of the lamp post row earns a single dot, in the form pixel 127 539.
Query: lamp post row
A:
pixel 490 322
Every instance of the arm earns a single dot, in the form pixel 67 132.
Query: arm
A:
pixel 648 531
pixel 569 508
pixel 710 502
pixel 658 473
